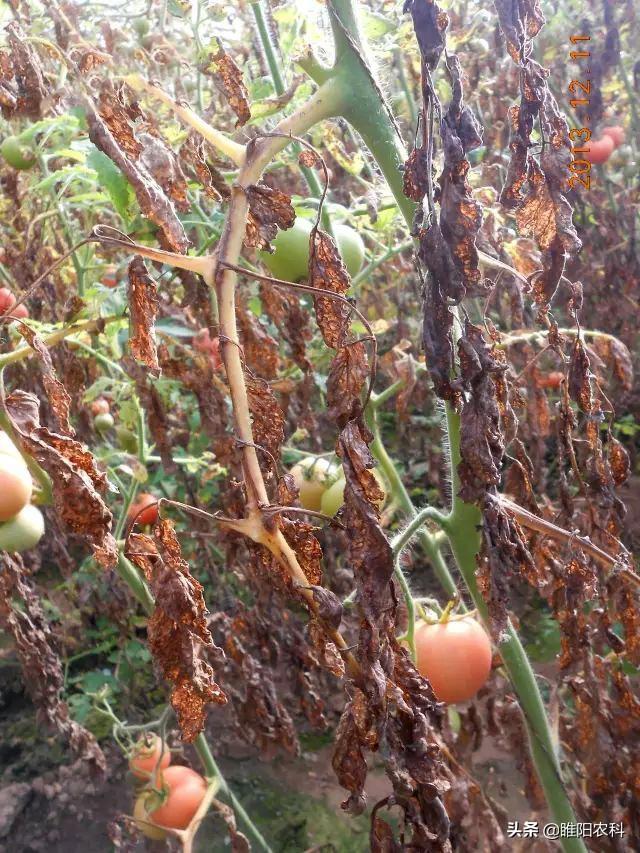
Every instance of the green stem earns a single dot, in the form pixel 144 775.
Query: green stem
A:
pixel 411 608
pixel 428 513
pixel 131 576
pixel 390 253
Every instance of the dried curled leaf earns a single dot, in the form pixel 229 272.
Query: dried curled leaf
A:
pixel 228 77
pixel 347 374
pixel 266 415
pixel 56 392
pixel 178 631
pixel 142 292
pixel 22 81
pixel 430 24
pixel 75 478
pixel 42 669
pixel 327 271
pixel 269 210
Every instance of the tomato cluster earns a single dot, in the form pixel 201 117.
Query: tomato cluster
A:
pixel 601 149
pixel 21 523
pixel 321 483
pixel 173 793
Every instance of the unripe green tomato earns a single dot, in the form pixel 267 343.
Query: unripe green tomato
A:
pixel 16 154
pixel 103 422
pixel 290 260
pixel 22 532
pixel 333 498
pixel 141 25
pixel 127 439
pixel 479 45
pixel 312 475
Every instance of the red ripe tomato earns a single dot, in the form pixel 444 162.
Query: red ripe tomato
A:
pixel 616 132
pixel 100 407
pixel 599 150
pixel 7 299
pixel 151 755
pixel 109 279
pixel 455 656
pixel 551 380
pixel 15 486
pixel 144 509
pixel 20 311
pixel 184 790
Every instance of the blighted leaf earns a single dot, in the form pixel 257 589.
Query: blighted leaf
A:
pixel 291 319
pixel 300 535
pixel 349 762
pixel 618 460
pixel 266 415
pixel 142 293
pixel 580 376
pixel 269 210
pixel 229 80
pixel 23 615
pixel 437 322
pixel 327 271
pixel 238 841
pixel 125 151
pixel 347 375
pixel 23 89
pixel 261 351
pixel 430 24
pixel 401 365
pixel 59 398
pixel 77 482
pixel 177 633
pixel 193 153
pixel 519 22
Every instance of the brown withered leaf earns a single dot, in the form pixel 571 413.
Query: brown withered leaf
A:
pixel 519 22
pixel 88 59
pixel 481 435
pixel 291 320
pixel 178 632
pixel 142 292
pixel 503 556
pixel 328 655
pixel 193 153
pixel 437 322
pixel 327 271
pixel 23 88
pixel 348 761
pixel 616 354
pixel 56 392
pixel 261 351
pixel 228 78
pixel 120 146
pixel 415 178
pixel 300 535
pixel 347 375
pixel 238 841
pixel 76 480
pixel 269 210
pixel 42 670
pixel 266 415
pixel 399 363
pixel 618 461
pixel 430 24
pixel 580 376
pixel 307 158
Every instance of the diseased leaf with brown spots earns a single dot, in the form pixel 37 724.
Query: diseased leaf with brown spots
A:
pixel 300 535
pixel 193 153
pixel 142 293
pixel 178 631
pixel 580 377
pixel 228 77
pixel 56 392
pixel 520 22
pixel 23 90
pixel 238 841
pixel 615 353
pixel 261 351
pixel 437 322
pixel 76 481
pixel 327 271
pixel 430 24
pixel 349 763
pixel 116 140
pixel 266 415
pixel 269 210
pixel 291 320
pixel 42 670
pixel 347 375
pixel 618 460
pixel 415 180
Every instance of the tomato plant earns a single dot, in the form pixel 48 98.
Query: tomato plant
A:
pixel 23 531
pixel 313 475
pixel 182 791
pixel 150 755
pixel 15 486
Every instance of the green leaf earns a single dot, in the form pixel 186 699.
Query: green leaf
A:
pixel 113 181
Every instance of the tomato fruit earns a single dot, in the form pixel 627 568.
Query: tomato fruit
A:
pixel 7 446
pixel 144 509
pixel 127 439
pixel 16 154
pixel 22 532
pixel 7 299
pixel 312 475
pixel 290 259
pixel 20 312
pixel 100 407
pixel 103 422
pixel 599 150
pixel 184 790
pixel 143 820
pixel 455 656
pixel 616 132
pixel 110 277
pixel 552 380
pixel 15 486
pixel 150 755
pixel 333 498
